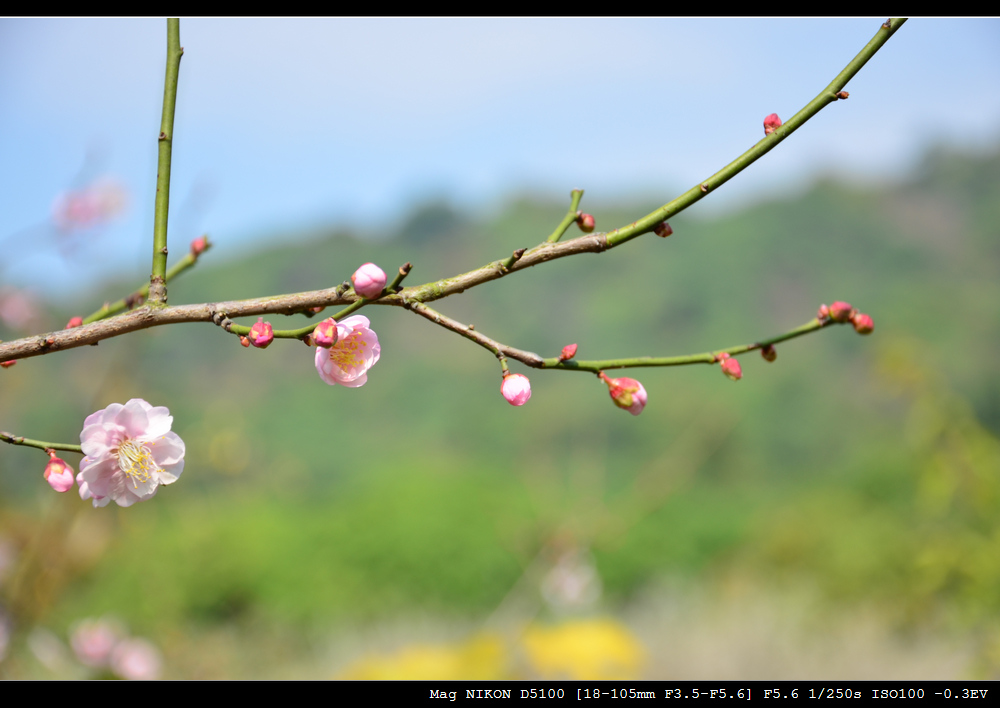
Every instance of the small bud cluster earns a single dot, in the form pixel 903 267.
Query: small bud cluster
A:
pixel 843 312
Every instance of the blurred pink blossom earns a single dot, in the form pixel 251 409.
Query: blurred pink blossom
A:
pixel 130 451
pixel 18 309
pixel 137 660
pixel 94 205
pixel 93 640
pixel 357 350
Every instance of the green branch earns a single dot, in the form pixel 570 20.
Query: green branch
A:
pixel 824 98
pixel 40 444
pixel 595 366
pixel 157 279
pixel 570 217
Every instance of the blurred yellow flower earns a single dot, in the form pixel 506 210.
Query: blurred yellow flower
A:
pixel 482 657
pixel 596 649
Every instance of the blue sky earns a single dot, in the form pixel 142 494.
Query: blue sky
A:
pixel 285 125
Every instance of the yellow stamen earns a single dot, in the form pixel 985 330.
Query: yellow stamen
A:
pixel 136 461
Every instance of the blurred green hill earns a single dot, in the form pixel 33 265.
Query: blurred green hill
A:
pixel 305 503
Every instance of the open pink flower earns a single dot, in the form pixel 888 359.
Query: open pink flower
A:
pixel 347 362
pixel 130 451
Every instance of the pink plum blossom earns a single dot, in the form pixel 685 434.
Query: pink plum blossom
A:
pixel 771 123
pixel 863 324
pixel 357 350
pixel 130 451
pixel 626 393
pixel 730 367
pixel 841 311
pixel 58 474
pixel 516 388
pixel 369 280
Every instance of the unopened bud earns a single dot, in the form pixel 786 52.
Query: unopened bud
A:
pixel 369 280
pixel 768 352
pixel 585 222
pixel 9 363
pixel 58 474
pixel 662 229
pixel 568 352
pixel 516 389
pixel 626 393
pixel 261 334
pixel 863 324
pixel 325 334
pixel 199 245
pixel 244 341
pixel 771 123
pixel 841 311
pixel 843 95
pixel 731 368
pixel 823 312
pixel 74 322
pixel 318 309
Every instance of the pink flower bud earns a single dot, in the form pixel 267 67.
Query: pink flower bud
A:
pixel 325 335
pixel 662 229
pixel 768 352
pixel 198 246
pixel 261 334
pixel 585 222
pixel 823 312
pixel 369 280
pixel 863 324
pixel 568 352
pixel 74 322
pixel 731 368
pixel 9 363
pixel 58 474
pixel 626 393
pixel 841 311
pixel 771 123
pixel 244 341
pixel 516 389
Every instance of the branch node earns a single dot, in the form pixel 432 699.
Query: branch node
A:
pixel 163 136
pixel 843 95
pixel 704 189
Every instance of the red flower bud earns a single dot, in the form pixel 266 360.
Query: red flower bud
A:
pixel 626 393
pixel 74 322
pixel 863 324
pixel 771 123
pixel 244 341
pixel 325 335
pixel 768 352
pixel 585 222
pixel 823 312
pixel 662 229
pixel 841 311
pixel 730 367
pixel 261 334
pixel 199 245
pixel 568 352
pixel 9 363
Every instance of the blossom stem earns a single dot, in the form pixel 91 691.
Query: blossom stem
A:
pixel 137 298
pixel 157 280
pixel 40 444
pixel 570 217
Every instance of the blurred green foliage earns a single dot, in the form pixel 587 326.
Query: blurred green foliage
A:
pixel 866 466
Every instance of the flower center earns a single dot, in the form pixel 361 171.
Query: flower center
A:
pixel 348 352
pixel 136 461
